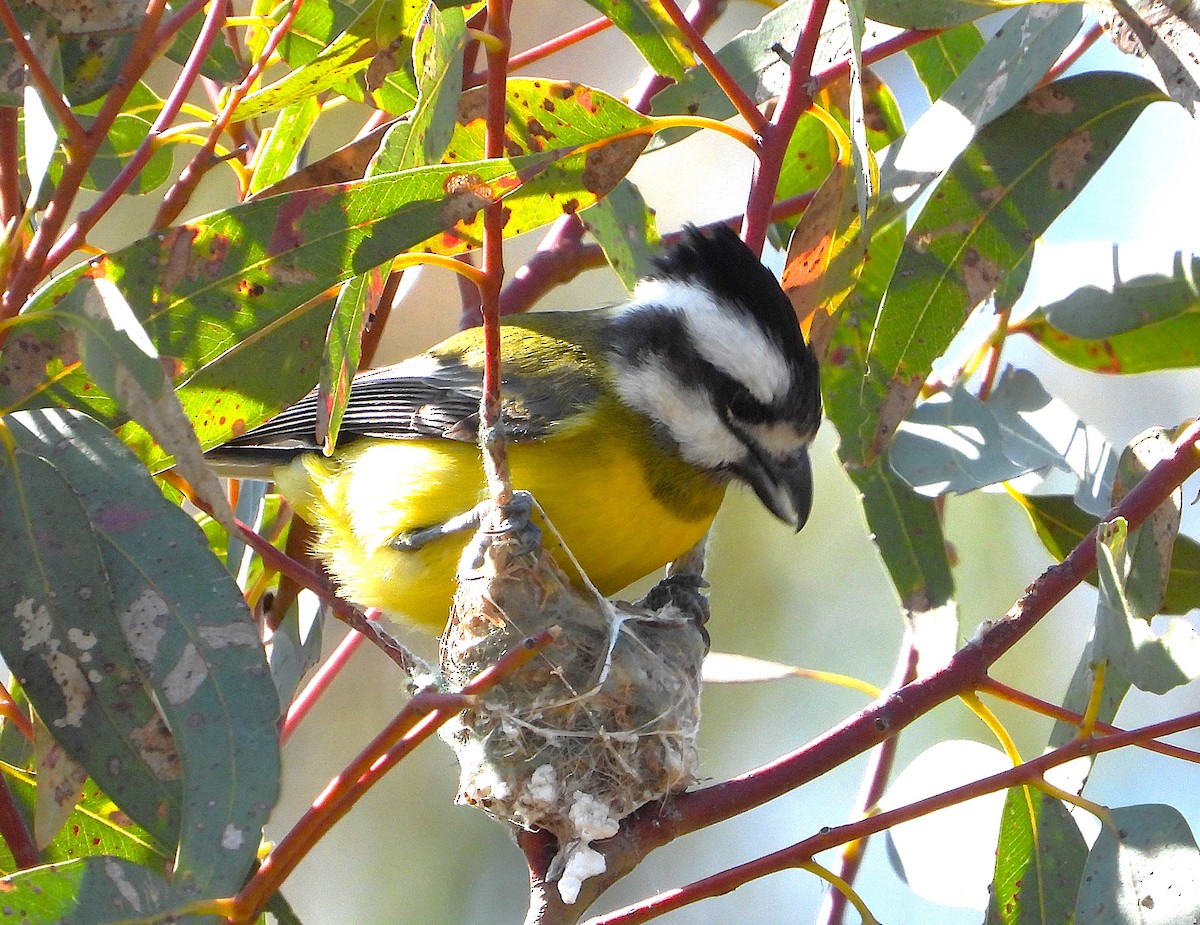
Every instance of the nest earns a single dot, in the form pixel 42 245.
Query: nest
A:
pixel 599 723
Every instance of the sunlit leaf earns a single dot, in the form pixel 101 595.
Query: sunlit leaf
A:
pixel 283 143
pixel 204 289
pixel 986 213
pixel 941 59
pixel 1039 861
pixel 652 32
pixel 186 634
pixel 90 891
pixel 379 37
pixel 1147 870
pixel 624 227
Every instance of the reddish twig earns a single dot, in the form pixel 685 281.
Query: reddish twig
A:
pixel 12 713
pixel 559 43
pixel 11 205
pixel 76 235
pixel 316 687
pixel 496 50
pixel 1081 44
pixel 419 719
pixel 45 85
pixel 741 100
pixel 203 160
pixel 1029 773
pixel 1045 708
pixel 794 102
pixel 14 831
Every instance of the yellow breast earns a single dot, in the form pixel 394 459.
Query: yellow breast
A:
pixel 622 511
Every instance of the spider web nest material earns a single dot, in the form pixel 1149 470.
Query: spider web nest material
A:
pixel 602 721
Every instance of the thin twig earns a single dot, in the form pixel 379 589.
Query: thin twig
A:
pixel 875 780
pixel 793 103
pixel 76 235
pixel 419 719
pixel 49 93
pixel 741 100
pixel 181 190
pixel 1030 774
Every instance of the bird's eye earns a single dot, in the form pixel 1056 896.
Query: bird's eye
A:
pixel 744 406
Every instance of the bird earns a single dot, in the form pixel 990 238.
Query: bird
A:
pixel 626 423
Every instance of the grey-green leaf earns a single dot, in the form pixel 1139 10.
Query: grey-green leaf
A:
pixel 1147 871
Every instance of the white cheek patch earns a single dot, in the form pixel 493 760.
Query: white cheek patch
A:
pixel 778 439
pixel 687 413
pixel 724 336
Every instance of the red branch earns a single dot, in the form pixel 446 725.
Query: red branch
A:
pixel 203 160
pixel 651 826
pixel 30 270
pixel 1030 773
pixel 77 233
pixel 496 50
pixel 14 831
pixel 795 101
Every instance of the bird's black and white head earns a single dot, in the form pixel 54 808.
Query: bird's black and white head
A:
pixel 710 350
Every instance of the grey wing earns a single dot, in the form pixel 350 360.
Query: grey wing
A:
pixel 426 396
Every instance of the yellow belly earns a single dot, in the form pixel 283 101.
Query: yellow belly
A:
pixel 591 483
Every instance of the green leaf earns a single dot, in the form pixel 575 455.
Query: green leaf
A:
pixel 1130 326
pixel 1008 67
pixel 1039 861
pixel 422 137
pixel 942 58
pixel 986 213
pixel 542 115
pixel 208 290
pixel 647 25
pixel 863 158
pixel 1147 870
pixel 356 303
pixel 283 143
pixel 379 37
pixel 89 891
pixel 1129 305
pixel 95 826
pixel 1170 344
pixel 1061 526
pixel 907 532
pixel 624 227
pixel 954 443
pixel 119 357
pixel 1151 662
pixel 935 14
pixel 906 528
pixel 850 392
pixel 187 634
pixel 64 641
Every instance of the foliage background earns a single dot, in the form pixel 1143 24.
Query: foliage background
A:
pixel 819 600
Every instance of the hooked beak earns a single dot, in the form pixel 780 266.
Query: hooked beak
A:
pixel 784 485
